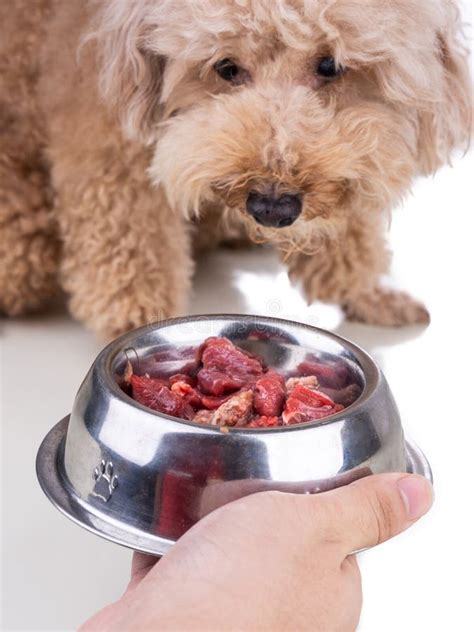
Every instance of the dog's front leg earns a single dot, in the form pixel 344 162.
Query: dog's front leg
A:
pixel 126 259
pixel 347 269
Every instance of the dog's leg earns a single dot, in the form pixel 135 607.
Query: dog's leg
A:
pixel 126 258
pixel 347 270
pixel 28 243
pixel 126 255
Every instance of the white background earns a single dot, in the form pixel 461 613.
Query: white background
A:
pixel 54 574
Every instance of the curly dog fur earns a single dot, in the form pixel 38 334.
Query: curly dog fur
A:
pixel 121 147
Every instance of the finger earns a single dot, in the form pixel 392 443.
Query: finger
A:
pixel 351 563
pixel 374 509
pixel 141 565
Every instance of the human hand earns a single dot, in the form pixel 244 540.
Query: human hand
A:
pixel 270 561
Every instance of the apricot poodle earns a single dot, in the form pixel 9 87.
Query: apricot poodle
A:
pixel 133 132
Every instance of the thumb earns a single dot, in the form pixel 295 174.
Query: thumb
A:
pixel 374 509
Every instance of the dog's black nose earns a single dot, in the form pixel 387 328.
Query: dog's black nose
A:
pixel 273 210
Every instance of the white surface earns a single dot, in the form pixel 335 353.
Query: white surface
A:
pixel 55 574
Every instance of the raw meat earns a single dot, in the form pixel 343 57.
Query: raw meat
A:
pixel 226 386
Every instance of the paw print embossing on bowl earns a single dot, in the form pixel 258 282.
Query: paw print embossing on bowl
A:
pixel 105 480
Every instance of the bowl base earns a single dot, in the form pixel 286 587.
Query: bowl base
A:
pixel 48 469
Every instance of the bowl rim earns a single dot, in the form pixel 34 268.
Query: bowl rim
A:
pixel 106 357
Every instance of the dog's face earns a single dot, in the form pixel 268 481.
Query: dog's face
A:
pixel 296 114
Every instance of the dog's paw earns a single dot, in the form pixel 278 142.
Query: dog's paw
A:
pixel 122 314
pixel 105 480
pixel 386 307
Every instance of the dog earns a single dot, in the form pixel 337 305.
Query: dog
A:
pixel 135 132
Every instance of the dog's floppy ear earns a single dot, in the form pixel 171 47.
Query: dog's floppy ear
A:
pixel 447 123
pixel 130 74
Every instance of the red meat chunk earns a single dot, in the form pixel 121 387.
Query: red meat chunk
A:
pixel 211 403
pixel 311 381
pixel 217 382
pixel 269 394
pixel 186 392
pixel 220 354
pixel 305 404
pixel 145 390
pixel 226 368
pixel 152 393
pixel 182 377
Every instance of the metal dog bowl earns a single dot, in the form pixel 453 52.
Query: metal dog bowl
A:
pixel 141 478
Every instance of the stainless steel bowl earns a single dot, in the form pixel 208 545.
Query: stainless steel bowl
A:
pixel 142 478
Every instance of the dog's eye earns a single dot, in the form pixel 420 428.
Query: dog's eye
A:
pixel 229 71
pixel 326 67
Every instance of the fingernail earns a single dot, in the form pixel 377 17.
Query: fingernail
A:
pixel 417 495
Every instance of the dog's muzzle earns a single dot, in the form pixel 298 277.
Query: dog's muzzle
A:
pixel 273 210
